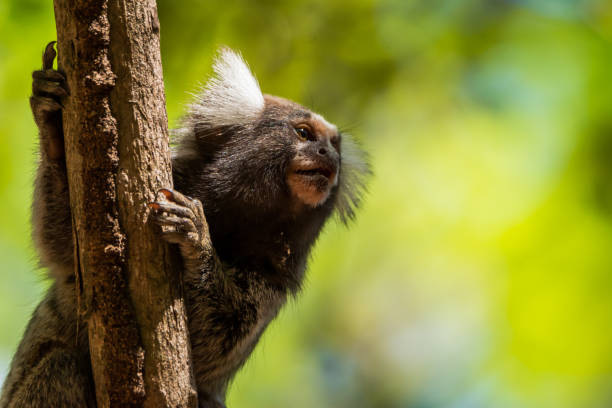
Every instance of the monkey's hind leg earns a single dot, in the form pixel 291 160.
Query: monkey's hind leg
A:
pixel 59 380
pixel 52 224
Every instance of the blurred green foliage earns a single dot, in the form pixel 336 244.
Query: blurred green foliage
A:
pixel 479 271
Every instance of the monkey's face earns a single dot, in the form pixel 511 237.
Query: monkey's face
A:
pixel 314 164
pixel 313 171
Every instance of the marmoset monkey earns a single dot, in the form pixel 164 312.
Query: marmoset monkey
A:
pixel 265 171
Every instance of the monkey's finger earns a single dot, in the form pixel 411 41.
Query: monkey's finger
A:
pixel 175 196
pixel 199 210
pixel 52 76
pixel 49 56
pixel 179 238
pixel 49 75
pixel 180 224
pixel 45 104
pixel 191 203
pixel 172 208
pixel 42 87
pixel 183 200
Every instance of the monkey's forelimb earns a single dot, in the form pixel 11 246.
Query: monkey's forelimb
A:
pixel 51 219
pixel 228 307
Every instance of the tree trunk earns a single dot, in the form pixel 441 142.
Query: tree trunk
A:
pixel 117 156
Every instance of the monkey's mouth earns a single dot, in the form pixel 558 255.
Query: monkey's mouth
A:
pixel 311 181
pixel 316 172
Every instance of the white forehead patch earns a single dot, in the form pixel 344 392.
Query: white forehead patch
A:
pixel 231 96
pixel 321 119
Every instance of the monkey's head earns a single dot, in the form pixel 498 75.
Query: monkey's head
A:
pixel 250 156
pixel 312 150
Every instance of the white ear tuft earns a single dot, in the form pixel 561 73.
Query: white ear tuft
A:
pixel 354 172
pixel 231 97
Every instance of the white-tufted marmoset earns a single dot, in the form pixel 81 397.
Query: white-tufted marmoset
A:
pixel 267 172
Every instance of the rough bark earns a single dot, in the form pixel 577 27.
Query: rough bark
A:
pixel 117 155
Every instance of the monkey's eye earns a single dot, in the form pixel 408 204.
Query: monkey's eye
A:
pixel 335 141
pixel 304 133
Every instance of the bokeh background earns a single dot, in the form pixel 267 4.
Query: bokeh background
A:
pixel 479 270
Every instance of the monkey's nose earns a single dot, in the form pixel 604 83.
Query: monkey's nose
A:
pixel 322 151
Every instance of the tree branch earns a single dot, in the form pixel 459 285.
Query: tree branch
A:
pixel 117 157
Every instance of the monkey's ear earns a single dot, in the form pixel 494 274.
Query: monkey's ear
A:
pixel 354 172
pixel 230 97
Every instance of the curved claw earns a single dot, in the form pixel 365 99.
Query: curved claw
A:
pixel 49 55
pixel 167 193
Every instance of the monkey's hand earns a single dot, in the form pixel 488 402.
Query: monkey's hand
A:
pixel 48 90
pixel 182 221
